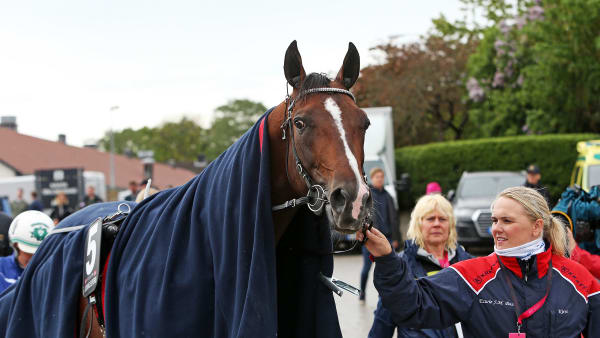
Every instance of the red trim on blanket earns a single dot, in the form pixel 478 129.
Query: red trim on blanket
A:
pixel 104 287
pixel 261 129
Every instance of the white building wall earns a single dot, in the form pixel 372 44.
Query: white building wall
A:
pixel 6 171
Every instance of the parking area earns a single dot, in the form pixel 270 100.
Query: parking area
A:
pixel 355 316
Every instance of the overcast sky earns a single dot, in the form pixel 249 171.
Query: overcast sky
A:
pixel 63 64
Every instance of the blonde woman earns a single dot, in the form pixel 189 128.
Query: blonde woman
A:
pixel 525 288
pixel 431 246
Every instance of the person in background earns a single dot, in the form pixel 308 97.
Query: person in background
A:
pixel 26 233
pixel 35 204
pixel 385 219
pixel 526 288
pixel 583 257
pixel 61 208
pixel 5 221
pixel 532 181
pixel 19 205
pixel 431 246
pixel 91 197
pixel 433 188
pixel 133 189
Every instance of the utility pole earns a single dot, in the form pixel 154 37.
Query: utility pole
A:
pixel 113 180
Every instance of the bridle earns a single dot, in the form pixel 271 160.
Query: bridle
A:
pixel 316 197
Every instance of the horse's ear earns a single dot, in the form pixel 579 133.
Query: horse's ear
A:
pixel 351 67
pixel 292 66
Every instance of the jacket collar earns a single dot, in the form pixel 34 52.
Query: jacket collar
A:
pixel 521 267
pixel 412 248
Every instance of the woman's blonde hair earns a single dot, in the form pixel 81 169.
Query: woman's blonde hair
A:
pixel 537 208
pixel 426 205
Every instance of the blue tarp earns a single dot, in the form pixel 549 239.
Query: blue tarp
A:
pixel 198 260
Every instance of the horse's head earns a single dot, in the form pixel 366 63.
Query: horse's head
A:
pixel 328 132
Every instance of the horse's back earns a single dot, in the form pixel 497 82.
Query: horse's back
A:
pixel 43 302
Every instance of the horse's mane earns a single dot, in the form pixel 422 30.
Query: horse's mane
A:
pixel 315 80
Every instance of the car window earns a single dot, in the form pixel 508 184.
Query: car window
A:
pixel 594 175
pixel 487 186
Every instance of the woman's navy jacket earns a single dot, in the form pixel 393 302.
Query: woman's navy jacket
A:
pixel 475 293
pixel 383 324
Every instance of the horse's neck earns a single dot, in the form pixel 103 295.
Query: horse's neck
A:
pixel 281 189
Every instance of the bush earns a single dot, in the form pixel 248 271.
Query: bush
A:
pixel 445 162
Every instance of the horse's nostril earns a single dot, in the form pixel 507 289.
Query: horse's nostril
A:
pixel 338 200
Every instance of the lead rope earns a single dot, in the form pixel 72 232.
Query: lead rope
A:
pixel 91 302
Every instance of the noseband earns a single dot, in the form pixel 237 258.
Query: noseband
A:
pixel 316 198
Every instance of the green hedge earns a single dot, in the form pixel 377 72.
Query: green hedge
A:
pixel 444 162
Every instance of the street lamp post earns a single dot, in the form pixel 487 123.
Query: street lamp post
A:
pixel 113 180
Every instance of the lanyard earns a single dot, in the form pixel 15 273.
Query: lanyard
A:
pixel 529 312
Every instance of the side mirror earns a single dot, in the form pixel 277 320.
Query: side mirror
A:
pixel 451 194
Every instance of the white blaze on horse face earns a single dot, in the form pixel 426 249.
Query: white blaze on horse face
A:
pixel 336 113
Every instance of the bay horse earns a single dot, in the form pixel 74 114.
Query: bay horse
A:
pixel 316 138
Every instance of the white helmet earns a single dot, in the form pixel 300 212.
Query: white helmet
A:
pixel 28 229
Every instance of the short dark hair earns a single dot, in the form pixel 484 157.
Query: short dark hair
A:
pixel 132 182
pixel 34 194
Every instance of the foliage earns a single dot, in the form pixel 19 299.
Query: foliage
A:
pixel 232 120
pixel 538 69
pixel 445 162
pixel 422 82
pixel 183 141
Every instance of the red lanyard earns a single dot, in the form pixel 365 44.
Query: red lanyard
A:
pixel 529 312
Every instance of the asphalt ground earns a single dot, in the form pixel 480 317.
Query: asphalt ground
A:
pixel 355 317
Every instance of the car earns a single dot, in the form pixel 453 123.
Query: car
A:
pixel 472 204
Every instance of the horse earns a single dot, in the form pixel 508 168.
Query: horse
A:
pixel 315 140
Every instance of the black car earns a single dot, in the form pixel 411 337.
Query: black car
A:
pixel 472 201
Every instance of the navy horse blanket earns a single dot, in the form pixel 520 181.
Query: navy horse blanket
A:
pixel 199 260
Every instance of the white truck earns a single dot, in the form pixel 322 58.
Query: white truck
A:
pixel 379 147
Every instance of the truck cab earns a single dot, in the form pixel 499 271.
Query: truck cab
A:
pixel 586 172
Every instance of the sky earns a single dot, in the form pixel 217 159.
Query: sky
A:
pixel 64 64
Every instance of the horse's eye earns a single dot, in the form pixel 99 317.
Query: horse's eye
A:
pixel 299 124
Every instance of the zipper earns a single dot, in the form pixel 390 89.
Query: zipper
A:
pixel 526 269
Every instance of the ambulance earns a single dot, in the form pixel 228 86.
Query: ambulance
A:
pixel 586 172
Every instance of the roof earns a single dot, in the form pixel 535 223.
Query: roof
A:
pixel 27 153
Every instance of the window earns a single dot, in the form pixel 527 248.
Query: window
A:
pixel 594 175
pixel 487 186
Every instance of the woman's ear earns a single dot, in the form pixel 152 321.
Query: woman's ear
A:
pixel 538 227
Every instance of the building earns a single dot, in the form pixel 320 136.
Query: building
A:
pixel 22 155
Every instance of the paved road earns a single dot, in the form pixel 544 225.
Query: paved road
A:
pixel 355 317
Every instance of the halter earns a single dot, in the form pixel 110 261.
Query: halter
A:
pixel 316 198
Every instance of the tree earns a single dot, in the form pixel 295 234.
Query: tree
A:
pixel 232 120
pixel 180 141
pixel 183 141
pixel 423 82
pixel 537 69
